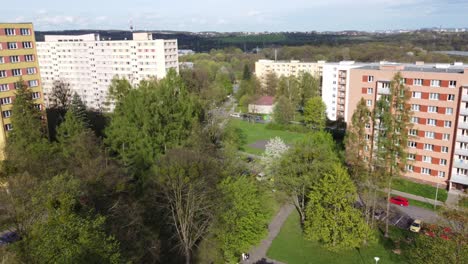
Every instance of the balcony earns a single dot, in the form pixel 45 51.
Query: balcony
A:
pixel 381 90
pixel 461 138
pixel 460 164
pixel 462 125
pixel 465 98
pixel 464 111
pixel 463 152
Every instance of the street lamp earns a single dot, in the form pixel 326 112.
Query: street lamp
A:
pixel 376 259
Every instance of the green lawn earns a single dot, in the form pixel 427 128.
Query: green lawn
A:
pixel 290 247
pixel 422 204
pixel 255 132
pixel 423 190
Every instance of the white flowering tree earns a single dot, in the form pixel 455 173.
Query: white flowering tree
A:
pixel 274 150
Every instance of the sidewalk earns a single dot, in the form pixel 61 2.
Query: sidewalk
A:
pixel 416 197
pixel 258 254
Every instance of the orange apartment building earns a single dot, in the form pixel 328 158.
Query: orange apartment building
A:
pixel 438 142
pixel 18 61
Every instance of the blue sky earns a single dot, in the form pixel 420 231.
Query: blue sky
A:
pixel 238 15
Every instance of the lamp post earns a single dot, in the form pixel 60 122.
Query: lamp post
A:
pixel 376 259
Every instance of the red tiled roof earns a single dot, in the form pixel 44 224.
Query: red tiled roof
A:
pixel 265 100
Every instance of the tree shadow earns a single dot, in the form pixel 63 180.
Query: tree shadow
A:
pixel 264 261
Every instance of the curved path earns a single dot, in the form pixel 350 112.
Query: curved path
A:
pixel 258 254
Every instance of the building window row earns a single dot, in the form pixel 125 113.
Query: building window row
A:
pixel 432 83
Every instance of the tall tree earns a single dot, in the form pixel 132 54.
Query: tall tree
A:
pixel 152 119
pixel 187 183
pixel 315 113
pixel 309 87
pixel 304 165
pixel 391 124
pixel 271 84
pixel 60 95
pixel 283 113
pixel 290 88
pixel 246 75
pixel 242 218
pixel 330 215
pixel 118 89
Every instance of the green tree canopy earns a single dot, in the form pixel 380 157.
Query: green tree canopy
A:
pixel 315 113
pixel 283 113
pixel 330 215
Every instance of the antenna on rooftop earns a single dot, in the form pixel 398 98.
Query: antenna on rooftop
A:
pixel 131 25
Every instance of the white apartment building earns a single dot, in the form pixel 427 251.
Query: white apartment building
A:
pixel 88 63
pixel 335 87
pixel 287 68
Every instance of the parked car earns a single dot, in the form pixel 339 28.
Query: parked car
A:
pixel 398 200
pixel 9 238
pixel 415 226
pixel 235 115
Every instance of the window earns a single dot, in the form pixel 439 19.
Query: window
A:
pixel 441 174
pixel 427 159
pixel 444 149
pixel 432 109
pixel 29 57
pixel 431 122
pixel 17 85
pixel 369 102
pixel 447 123
pixel 370 78
pixel 429 134
pixel 429 147
pixel 5 100
pixel 433 96
pixel 31 70
pixel 36 95
pixel 16 72
pixel 385 85
pixel 426 171
pixel 413 132
pixel 8 127
pixel 443 162
pixel 27 45
pixel 38 106
pixel 6 113
pixel 3 74
pixel 449 111
pixel 25 31
pixel 415 107
pixel 409 168
pixel 4 87
pixel 435 83
pixel 450 97
pixel 411 156
pixel 14 59
pixel 412 144
pixel 2 60
pixel 418 82
pixel 10 31
pixel 370 90
pixel 367 125
pixel 367 137
pixel 415 120
pixel 452 84
pixel 33 83
pixel 445 136
pixel 12 45
pixel 417 95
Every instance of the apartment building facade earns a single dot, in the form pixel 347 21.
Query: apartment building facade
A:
pixel 335 87
pixel 287 68
pixel 18 62
pixel 438 138
pixel 87 63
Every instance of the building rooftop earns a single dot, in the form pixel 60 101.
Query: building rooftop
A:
pixel 265 100
pixel 418 67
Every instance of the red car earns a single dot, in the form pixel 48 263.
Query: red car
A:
pixel 398 200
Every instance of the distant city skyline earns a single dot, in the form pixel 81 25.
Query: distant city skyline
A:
pixel 240 15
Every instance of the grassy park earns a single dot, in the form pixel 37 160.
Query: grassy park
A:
pixel 290 247
pixel 419 189
pixel 255 132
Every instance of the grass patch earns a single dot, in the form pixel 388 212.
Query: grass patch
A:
pixel 290 247
pixel 422 204
pixel 419 189
pixel 255 132
pixel 463 202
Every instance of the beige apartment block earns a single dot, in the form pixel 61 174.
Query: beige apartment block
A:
pixel 438 142
pixel 286 68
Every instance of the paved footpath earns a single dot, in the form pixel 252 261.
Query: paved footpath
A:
pixel 258 254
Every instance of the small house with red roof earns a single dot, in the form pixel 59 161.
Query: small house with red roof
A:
pixel 264 105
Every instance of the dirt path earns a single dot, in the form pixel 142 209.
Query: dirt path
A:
pixel 258 254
